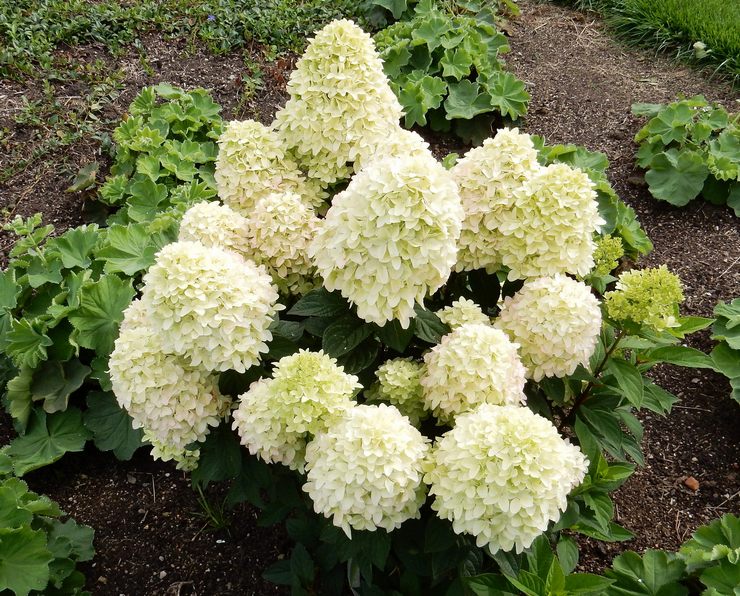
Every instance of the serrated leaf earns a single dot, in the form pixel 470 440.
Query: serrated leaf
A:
pixel 26 344
pixel 428 326
pixel 129 249
pixel 55 381
pixel 113 191
pixel 18 400
pixel 360 358
pixel 85 177
pixel 628 379
pixel 394 59
pixel 146 199
pixel 466 100
pixel 396 337
pixel 587 584
pixel 70 539
pixel 100 312
pixel 717 540
pixel 507 94
pixel 42 270
pixel 111 425
pixel 676 177
pixel 47 438
pixel 24 560
pixel 430 30
pixel 75 245
pixel 656 573
pixel 320 303
pixel 456 63
pixel 8 289
pixel 567 550
pixel 344 335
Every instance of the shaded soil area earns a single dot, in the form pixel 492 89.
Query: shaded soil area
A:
pixel 582 84
pixel 149 536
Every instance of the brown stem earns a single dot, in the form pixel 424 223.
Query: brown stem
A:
pixel 584 395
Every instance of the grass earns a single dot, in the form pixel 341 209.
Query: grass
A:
pixel 675 26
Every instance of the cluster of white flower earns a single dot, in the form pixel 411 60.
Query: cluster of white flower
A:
pixel 472 365
pixel 210 305
pixel 399 385
pixel 502 474
pixel 252 163
pixel 491 178
pixel 536 221
pixel 556 322
pixel 213 224
pixel 366 472
pixel 172 401
pixel 341 107
pixel 390 238
pixel 280 228
pixel 461 312
pixel 306 394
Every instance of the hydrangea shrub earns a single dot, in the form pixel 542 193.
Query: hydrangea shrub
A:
pixel 392 353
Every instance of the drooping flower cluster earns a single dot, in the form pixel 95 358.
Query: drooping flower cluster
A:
pixel 491 178
pixel 280 229
pixel 341 107
pixel 556 322
pixel 535 220
pixel 472 365
pixel 174 403
pixel 399 385
pixel 365 472
pixel 502 474
pixel 307 393
pixel 210 306
pixel 646 297
pixel 461 312
pixel 252 163
pixel 389 239
pixel 213 224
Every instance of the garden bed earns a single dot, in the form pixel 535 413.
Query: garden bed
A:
pixel 148 536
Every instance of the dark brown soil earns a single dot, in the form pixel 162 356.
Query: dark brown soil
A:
pixel 148 539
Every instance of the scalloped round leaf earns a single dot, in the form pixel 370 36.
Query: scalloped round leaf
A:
pixel 508 94
pixel 677 177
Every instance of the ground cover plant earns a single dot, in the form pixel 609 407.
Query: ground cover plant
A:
pixel 38 552
pixel 706 32
pixel 690 148
pixel 446 71
pixel 280 573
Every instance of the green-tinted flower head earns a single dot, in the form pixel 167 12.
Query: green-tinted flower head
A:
pixel 646 297
pixel 399 384
pixel 607 254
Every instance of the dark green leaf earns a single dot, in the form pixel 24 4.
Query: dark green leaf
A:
pixel 629 380
pixel 8 289
pixel 111 425
pixel 320 303
pixel 344 335
pixel 301 565
pixel 587 584
pixel 428 326
pixel 567 550
pixel 361 357
pixel 24 560
pixel 100 312
pixel 129 249
pixel 48 438
pixel 55 381
pixel 220 457
pixel 394 336
pixel 75 245
pixel 26 344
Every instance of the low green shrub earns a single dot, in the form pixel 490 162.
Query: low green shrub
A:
pixel 38 552
pixel 446 72
pixel 689 148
